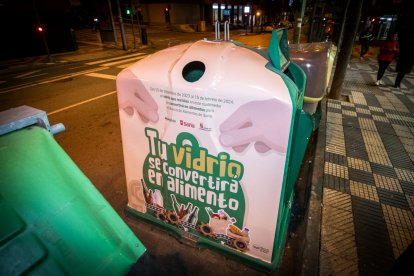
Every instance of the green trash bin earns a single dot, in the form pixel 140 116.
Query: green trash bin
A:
pixel 53 220
pixel 208 132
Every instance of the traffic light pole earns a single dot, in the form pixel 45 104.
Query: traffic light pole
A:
pixel 112 21
pixel 121 25
pixel 42 31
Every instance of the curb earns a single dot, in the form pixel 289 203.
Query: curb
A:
pixel 310 256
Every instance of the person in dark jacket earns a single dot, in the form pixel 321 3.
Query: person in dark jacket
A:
pixel 365 38
pixel 406 57
pixel 388 49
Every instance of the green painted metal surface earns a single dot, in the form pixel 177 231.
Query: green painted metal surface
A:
pixel 53 220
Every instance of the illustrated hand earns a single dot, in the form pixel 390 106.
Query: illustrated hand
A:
pixel 132 95
pixel 264 123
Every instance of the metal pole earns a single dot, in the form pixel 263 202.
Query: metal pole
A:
pixel 121 25
pixel 310 33
pixel 112 21
pixel 299 23
pixel 132 22
pixel 139 26
pixel 43 32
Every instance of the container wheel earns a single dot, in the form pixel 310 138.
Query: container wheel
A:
pixel 173 218
pixel 206 230
pixel 230 243
pixel 240 245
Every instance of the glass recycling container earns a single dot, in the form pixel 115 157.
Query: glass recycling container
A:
pixel 208 131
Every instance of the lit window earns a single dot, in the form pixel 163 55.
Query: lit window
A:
pixel 247 9
pixel 215 6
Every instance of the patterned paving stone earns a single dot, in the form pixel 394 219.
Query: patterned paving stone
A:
pixel 336 170
pixel 396 102
pixel 375 148
pixel 400 120
pixel 373 245
pixel 349 113
pixel 338 255
pixel 336 183
pixel 358 98
pixel 363 110
pixel 350 121
pixel 396 151
pixel 405 175
pixel 335 139
pixel 347 104
pixel 334 118
pixel 379 118
pixel 408 104
pixel 408 187
pixel 400 224
pixel 384 127
pixel 395 199
pixel 410 200
pixel 383 170
pixel 354 147
pixel 385 103
pixel 402 131
pixel 368 192
pixel 359 164
pixel 334 104
pixel 361 176
pixel 348 107
pixel 375 107
pixel 335 158
pixel 388 183
pixel 367 124
pixel 369 160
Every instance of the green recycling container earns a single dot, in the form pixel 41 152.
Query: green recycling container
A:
pixel 53 220
pixel 213 136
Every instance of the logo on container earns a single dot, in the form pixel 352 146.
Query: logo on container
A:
pixel 204 127
pixel 187 124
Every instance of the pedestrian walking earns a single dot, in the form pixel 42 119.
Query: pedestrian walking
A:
pixel 406 57
pixel 388 49
pixel 364 39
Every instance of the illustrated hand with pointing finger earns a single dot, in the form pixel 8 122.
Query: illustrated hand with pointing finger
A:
pixel 133 96
pixel 264 123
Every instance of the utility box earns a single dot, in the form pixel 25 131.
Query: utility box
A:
pixel 207 132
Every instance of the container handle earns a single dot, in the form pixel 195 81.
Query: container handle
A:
pixel 217 30
pixel 226 31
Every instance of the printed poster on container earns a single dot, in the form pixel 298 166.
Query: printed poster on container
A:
pixel 211 165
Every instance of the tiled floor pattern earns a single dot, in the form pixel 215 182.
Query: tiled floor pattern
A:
pixel 368 195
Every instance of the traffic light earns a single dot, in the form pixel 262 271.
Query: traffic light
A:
pixel 128 11
pixel 39 29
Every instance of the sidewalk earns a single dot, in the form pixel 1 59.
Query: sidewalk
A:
pixel 367 181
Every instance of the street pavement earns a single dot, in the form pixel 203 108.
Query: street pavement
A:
pixel 360 218
pixel 367 180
